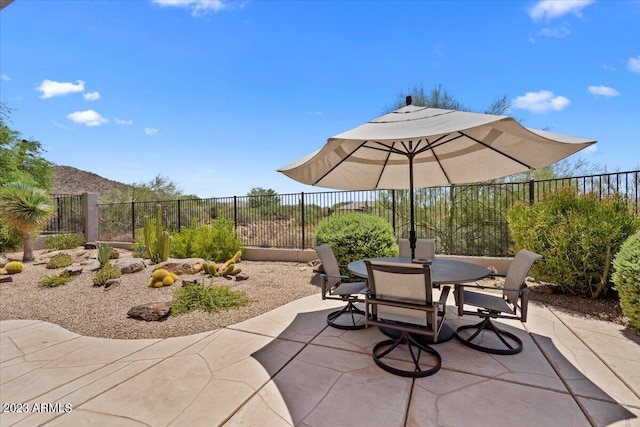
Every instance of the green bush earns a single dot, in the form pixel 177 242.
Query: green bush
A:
pixel 626 277
pixel 10 238
pixel 104 253
pixel 217 241
pixel 63 241
pixel 207 298
pixel 354 236
pixel 55 280
pixel 60 260
pixel 106 273
pixel 578 235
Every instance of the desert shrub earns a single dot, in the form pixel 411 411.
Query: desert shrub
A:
pixel 207 298
pixel 14 267
pixel 106 273
pixel 217 241
pixel 60 260
pixel 63 241
pixel 578 235
pixel 55 280
pixel 626 277
pixel 355 236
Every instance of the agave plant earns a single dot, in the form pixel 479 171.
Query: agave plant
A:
pixel 25 208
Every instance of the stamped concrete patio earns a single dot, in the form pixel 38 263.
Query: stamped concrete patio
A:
pixel 287 367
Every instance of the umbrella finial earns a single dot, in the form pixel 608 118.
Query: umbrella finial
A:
pixel 408 100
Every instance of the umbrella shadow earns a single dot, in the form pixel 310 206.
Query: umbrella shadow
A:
pixel 322 385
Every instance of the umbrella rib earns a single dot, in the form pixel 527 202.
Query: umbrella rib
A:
pixel 496 150
pixel 339 163
pixel 384 165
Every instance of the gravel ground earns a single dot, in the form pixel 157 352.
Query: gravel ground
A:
pixel 93 311
pixel 88 310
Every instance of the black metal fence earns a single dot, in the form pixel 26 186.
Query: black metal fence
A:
pixel 68 217
pixel 465 219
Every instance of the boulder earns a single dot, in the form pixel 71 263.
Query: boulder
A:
pixel 5 278
pixel 91 245
pixel 111 283
pixel 129 265
pixel 183 266
pixel 150 312
pixel 241 276
pixel 74 270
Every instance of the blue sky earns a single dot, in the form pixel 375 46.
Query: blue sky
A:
pixel 218 95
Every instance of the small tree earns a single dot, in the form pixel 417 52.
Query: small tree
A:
pixel 626 276
pixel 26 208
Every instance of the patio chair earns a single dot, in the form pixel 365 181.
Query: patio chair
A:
pixel 514 298
pixel 425 248
pixel 400 301
pixel 335 286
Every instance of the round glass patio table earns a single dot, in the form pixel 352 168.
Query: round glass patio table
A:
pixel 443 271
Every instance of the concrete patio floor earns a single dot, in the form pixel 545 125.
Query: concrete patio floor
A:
pixel 286 367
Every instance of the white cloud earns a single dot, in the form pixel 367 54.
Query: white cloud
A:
pixel 123 122
pixel 558 32
pixel 5 77
pixel 91 96
pixel 551 9
pixel 87 118
pixel 50 88
pixel 151 131
pixel 198 7
pixel 603 91
pixel 541 102
pixel 633 64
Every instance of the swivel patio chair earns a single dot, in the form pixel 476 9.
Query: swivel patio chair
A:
pixel 400 301
pixel 335 286
pixel 425 248
pixel 514 298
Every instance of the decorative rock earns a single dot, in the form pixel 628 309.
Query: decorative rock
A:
pixel 5 278
pixel 74 270
pixel 115 254
pixel 3 260
pixel 111 283
pixel 183 266
pixel 150 312
pixel 129 265
pixel 187 283
pixel 241 276
pixel 90 245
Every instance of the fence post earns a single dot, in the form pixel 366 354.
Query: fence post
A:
pixel 393 211
pixel 133 221
pixel 91 217
pixel 179 218
pixel 303 222
pixel 235 212
pixel 531 192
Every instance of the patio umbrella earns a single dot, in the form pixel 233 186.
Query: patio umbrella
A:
pixel 417 147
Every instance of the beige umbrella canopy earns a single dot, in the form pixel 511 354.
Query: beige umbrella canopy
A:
pixel 417 147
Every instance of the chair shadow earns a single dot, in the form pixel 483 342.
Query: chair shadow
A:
pixel 298 408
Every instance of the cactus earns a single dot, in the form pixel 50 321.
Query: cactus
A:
pixel 225 270
pixel 162 277
pixel 158 250
pixel 14 267
pixel 104 253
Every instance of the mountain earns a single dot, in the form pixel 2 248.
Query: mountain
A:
pixel 69 180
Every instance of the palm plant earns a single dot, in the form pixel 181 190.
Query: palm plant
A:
pixel 25 208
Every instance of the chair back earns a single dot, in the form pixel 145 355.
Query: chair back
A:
pixel 329 264
pixel 425 248
pixel 517 273
pixel 400 282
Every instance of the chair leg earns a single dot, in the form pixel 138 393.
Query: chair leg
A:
pixel 487 325
pixel 384 348
pixel 348 310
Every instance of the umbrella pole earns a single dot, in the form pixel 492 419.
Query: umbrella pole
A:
pixel 412 232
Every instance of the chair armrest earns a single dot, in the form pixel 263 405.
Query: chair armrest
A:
pixel 329 276
pixel 499 288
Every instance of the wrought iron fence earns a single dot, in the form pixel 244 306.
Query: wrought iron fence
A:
pixel 68 217
pixel 464 219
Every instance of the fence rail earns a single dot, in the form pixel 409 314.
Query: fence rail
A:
pixel 465 219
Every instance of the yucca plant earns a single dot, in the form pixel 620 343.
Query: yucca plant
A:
pixel 104 253
pixel 25 208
